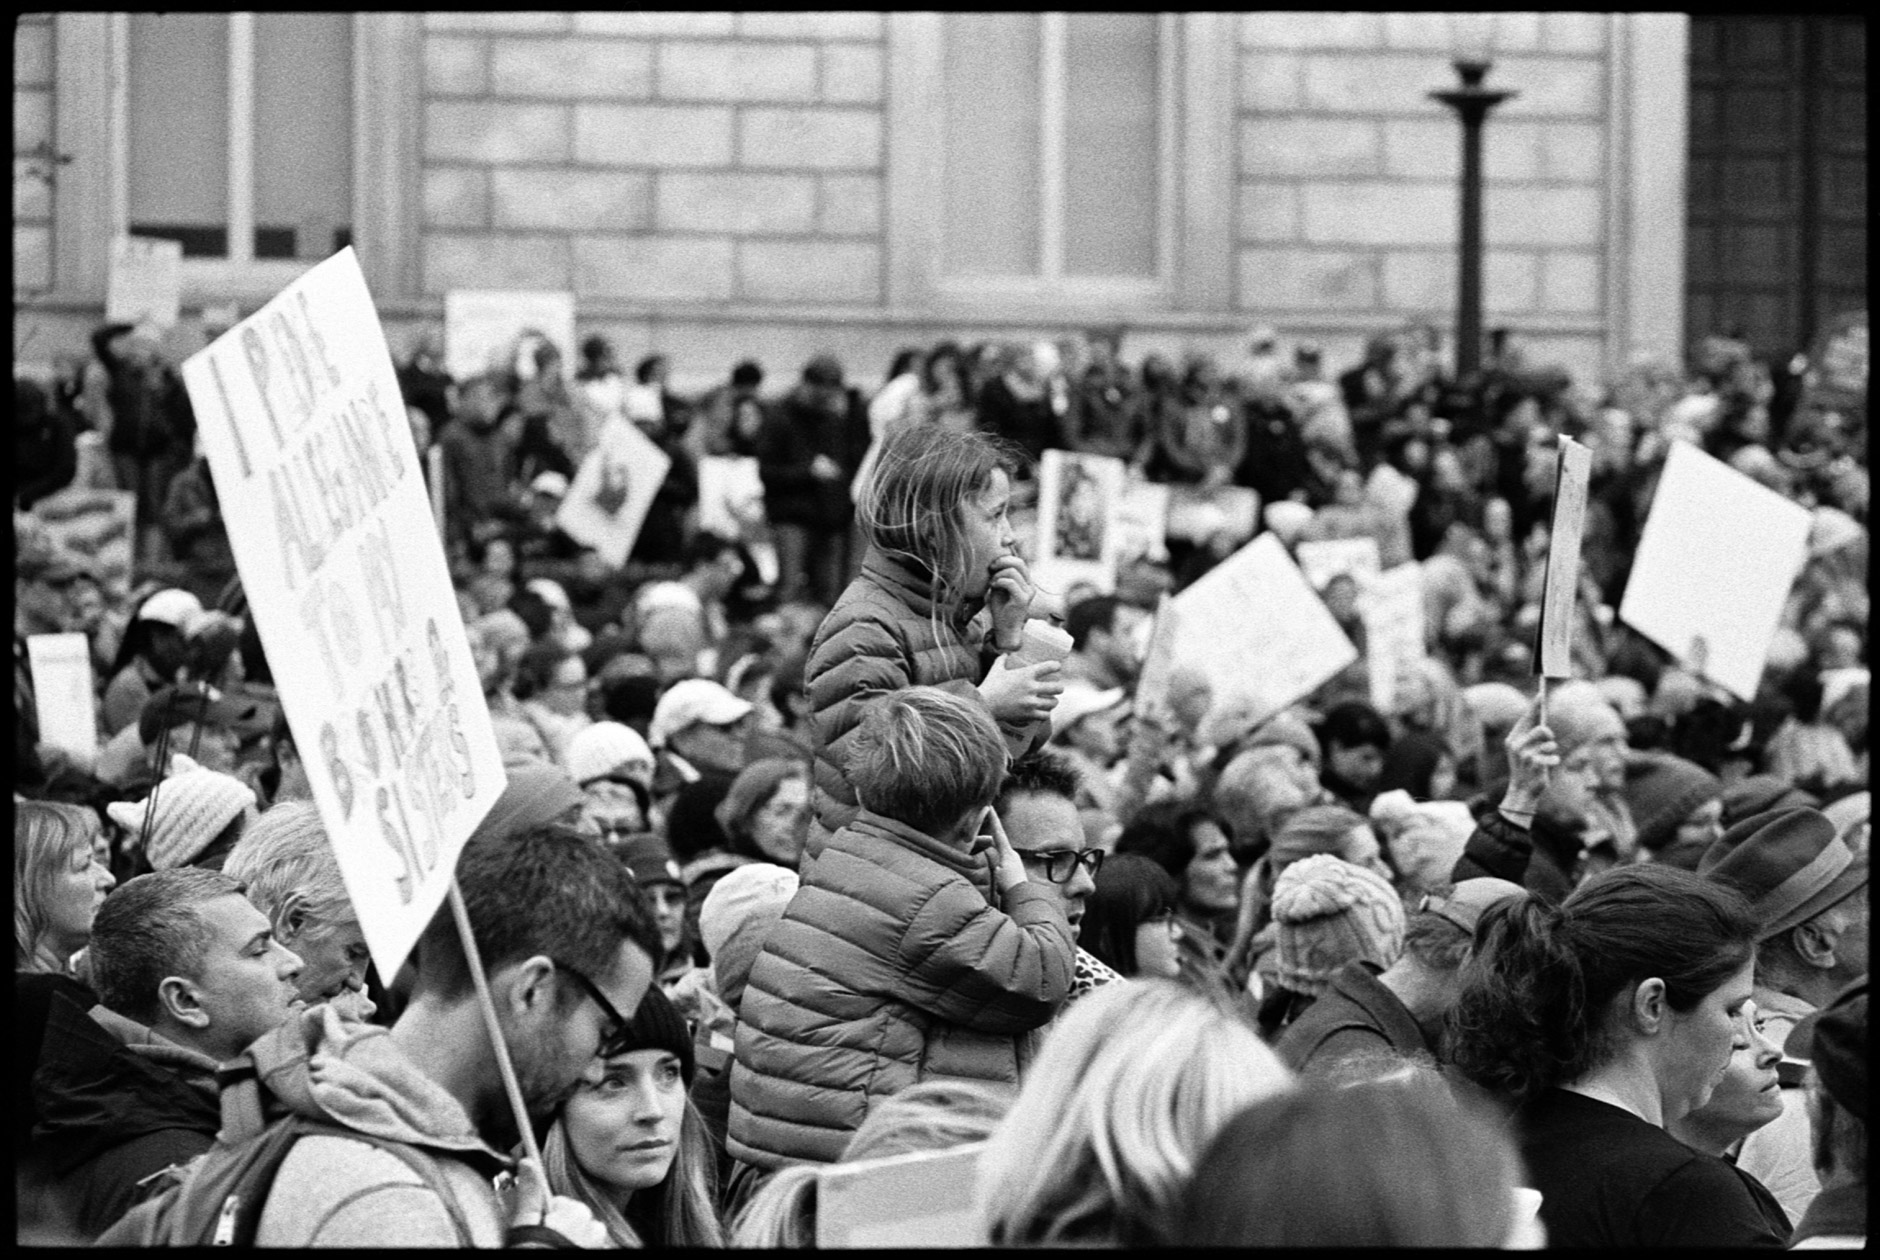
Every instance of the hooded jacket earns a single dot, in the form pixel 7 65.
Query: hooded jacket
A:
pixel 336 1192
pixel 883 634
pixel 116 1104
pixel 890 966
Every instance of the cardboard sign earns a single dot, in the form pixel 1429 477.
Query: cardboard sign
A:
pixel 1391 606
pixel 63 699
pixel 730 495
pixel 481 327
pixel 607 502
pixel 1078 498
pixel 1141 522
pixel 1561 586
pixel 1257 631
pixel 99 525
pixel 145 285
pixel 1324 560
pixel 300 415
pixel 1715 562
pixel 924 1199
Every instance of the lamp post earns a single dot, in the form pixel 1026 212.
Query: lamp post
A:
pixel 1471 102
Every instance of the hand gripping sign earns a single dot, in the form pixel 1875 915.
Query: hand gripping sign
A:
pixel 307 439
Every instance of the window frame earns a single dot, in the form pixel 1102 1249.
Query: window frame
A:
pixel 1051 280
pixel 92 199
pixel 1196 179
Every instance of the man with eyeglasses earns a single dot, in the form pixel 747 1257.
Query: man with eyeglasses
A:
pixel 567 943
pixel 1038 804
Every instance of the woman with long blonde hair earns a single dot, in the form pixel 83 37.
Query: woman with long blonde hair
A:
pixel 630 1144
pixel 1131 1086
pixel 58 883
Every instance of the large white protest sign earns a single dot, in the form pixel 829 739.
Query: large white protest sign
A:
pixel 145 283
pixel 1078 498
pixel 302 421
pixel 1391 606
pixel 63 699
pixel 922 1199
pixel 607 502
pixel 1257 631
pixel 1561 589
pixel 1324 560
pixel 1714 565
pixel 481 326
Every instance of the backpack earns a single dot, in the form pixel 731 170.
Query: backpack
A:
pixel 215 1200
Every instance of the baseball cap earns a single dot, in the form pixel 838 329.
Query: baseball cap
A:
pixel 1464 904
pixel 172 607
pixel 691 701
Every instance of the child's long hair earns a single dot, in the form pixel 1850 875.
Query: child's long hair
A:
pixel 678 1212
pixel 912 505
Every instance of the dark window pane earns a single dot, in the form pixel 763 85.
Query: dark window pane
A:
pixel 197 242
pixel 274 242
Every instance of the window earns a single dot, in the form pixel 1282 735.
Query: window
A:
pixel 1057 152
pixel 239 133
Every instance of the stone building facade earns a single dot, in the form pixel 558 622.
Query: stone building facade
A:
pixel 719 185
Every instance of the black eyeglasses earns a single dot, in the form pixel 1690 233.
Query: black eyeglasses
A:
pixel 1060 865
pixel 614 1037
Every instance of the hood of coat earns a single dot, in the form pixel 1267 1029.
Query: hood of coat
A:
pixel 353 1074
pixel 98 1089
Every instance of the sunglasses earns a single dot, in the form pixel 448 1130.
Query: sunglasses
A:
pixel 1060 865
pixel 614 1038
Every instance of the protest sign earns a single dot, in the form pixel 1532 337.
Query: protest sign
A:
pixel 1561 587
pixel 730 495
pixel 300 415
pixel 145 284
pixel 1391 606
pixel 1141 522
pixel 922 1199
pixel 607 502
pixel 63 699
pixel 98 525
pixel 481 326
pixel 1195 514
pixel 1324 560
pixel 1257 631
pixel 1714 565
pixel 1078 497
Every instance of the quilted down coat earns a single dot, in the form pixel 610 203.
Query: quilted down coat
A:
pixel 890 966
pixel 881 635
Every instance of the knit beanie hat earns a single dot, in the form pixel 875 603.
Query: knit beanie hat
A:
pixel 657 1025
pixel 737 915
pixel 1327 913
pixel 1288 727
pixel 607 750
pixel 193 805
pixel 1661 791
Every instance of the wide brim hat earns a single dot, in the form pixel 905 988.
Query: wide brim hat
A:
pixel 1790 863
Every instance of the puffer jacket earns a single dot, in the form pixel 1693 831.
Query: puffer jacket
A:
pixel 881 635
pixel 890 966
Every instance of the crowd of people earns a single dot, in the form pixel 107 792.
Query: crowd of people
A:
pixel 803 859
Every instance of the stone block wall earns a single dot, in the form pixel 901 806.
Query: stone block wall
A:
pixel 1348 198
pixel 655 157
pixel 33 168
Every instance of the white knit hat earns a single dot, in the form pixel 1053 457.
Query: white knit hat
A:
pixel 1329 913
pixel 609 748
pixel 193 806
